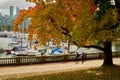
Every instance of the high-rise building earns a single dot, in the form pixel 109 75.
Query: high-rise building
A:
pixel 11 14
pixel 11 11
pixel 17 10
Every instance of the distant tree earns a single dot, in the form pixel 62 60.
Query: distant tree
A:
pixel 6 27
pixel 0 28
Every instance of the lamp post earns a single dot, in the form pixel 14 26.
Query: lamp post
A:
pixel 21 37
pixel 1 25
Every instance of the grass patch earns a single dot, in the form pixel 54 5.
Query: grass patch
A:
pixel 101 73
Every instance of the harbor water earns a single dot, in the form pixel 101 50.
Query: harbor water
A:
pixel 4 43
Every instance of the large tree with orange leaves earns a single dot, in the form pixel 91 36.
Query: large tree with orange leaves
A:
pixel 75 21
pixel 63 18
pixel 48 19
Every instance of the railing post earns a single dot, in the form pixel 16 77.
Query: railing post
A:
pixel 65 57
pixel 100 55
pixel 116 54
pixel 17 60
pixel 43 59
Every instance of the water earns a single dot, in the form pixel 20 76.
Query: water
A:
pixel 4 43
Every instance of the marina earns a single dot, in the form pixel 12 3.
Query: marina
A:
pixel 20 46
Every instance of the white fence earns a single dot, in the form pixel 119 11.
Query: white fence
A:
pixel 45 59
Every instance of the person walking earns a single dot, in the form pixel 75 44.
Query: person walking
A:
pixel 83 57
pixel 77 57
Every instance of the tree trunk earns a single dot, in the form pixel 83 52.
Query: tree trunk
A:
pixel 107 54
pixel 68 45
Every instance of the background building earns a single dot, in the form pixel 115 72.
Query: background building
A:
pixel 8 19
pixel 17 10
pixel 11 11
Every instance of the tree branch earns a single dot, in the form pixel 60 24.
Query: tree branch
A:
pixel 94 46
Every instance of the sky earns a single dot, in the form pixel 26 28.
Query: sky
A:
pixel 22 4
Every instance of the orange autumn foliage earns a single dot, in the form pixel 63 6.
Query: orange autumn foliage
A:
pixel 19 19
pixel 46 20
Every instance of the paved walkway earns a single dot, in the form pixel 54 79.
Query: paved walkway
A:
pixel 48 68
